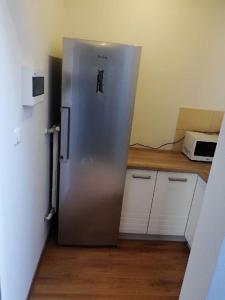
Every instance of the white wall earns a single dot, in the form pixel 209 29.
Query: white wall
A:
pixel 27 34
pixel 210 231
pixel 182 62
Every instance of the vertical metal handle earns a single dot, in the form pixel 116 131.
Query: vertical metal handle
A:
pixel 65 133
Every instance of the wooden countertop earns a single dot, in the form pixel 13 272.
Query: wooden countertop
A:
pixel 139 158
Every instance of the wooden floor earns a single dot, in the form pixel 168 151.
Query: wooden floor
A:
pixel 135 270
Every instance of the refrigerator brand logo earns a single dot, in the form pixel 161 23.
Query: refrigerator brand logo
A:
pixel 102 57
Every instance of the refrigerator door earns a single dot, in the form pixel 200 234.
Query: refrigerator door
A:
pixel 98 90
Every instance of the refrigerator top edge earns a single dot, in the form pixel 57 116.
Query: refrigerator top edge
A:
pixel 100 43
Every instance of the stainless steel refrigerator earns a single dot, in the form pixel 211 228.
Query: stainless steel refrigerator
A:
pixel 98 91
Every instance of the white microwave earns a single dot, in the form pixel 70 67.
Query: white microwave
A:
pixel 199 146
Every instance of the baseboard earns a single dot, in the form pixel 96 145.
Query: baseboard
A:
pixel 148 237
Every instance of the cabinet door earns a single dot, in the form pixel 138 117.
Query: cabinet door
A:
pixel 195 211
pixel 138 194
pixel 171 203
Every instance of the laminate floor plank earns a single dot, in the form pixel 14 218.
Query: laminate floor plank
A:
pixel 136 270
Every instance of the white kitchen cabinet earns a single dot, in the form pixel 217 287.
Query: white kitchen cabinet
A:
pixel 195 211
pixel 171 203
pixel 137 200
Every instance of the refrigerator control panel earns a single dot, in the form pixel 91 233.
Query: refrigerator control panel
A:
pixel 100 77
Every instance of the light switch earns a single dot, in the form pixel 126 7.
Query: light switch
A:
pixel 16 136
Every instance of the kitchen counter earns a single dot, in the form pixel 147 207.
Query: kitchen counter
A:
pixel 160 160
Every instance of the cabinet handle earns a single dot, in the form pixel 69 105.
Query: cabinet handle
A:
pixel 137 176
pixel 171 179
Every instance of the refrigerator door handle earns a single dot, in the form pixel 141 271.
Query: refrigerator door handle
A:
pixel 65 133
